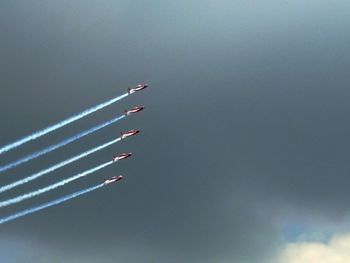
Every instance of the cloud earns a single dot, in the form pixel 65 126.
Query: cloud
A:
pixel 337 250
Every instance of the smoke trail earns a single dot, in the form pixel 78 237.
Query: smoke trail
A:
pixel 48 204
pixel 56 166
pixel 59 145
pixel 59 124
pixel 53 186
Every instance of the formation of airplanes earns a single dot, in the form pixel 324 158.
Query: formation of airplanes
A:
pixel 62 182
pixel 124 135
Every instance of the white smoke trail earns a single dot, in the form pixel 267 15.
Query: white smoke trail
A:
pixel 48 204
pixel 56 166
pixel 60 124
pixel 60 144
pixel 53 186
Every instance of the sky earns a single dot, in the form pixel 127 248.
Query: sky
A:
pixel 243 155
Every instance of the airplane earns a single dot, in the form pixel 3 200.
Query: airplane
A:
pixel 137 88
pixel 124 135
pixel 121 156
pixel 113 179
pixel 134 110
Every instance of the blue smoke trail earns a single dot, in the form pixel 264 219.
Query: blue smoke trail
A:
pixel 48 204
pixel 53 186
pixel 58 145
pixel 56 166
pixel 60 124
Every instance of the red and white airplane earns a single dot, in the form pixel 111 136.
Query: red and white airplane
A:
pixel 113 179
pixel 137 88
pixel 124 135
pixel 121 156
pixel 134 110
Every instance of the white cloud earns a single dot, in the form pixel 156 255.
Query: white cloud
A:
pixel 337 250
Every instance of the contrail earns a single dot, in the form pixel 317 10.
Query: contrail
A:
pixel 60 144
pixel 53 186
pixel 48 204
pixel 60 124
pixel 57 166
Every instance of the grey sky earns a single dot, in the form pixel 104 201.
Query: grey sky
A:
pixel 245 128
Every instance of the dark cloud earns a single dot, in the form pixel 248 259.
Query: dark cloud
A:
pixel 245 124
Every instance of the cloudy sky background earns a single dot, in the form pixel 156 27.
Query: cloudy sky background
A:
pixel 244 152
